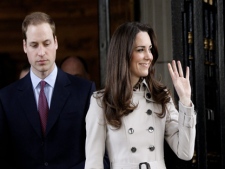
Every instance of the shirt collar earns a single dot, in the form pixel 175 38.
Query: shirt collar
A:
pixel 50 79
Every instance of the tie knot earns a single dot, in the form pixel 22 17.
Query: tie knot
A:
pixel 42 84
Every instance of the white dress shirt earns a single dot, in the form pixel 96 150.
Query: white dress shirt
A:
pixel 50 83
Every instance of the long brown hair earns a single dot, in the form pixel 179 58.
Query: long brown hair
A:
pixel 117 96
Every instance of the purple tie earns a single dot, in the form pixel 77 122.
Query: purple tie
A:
pixel 43 107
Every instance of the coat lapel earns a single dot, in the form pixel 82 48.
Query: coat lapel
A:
pixel 27 100
pixel 59 97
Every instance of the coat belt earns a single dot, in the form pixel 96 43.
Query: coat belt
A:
pixel 153 165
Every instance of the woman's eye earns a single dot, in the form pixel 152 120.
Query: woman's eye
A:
pixel 140 50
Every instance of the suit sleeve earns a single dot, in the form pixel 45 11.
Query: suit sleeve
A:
pixel 96 136
pixel 92 89
pixel 180 130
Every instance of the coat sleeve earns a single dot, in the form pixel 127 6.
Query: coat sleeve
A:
pixel 180 130
pixel 96 136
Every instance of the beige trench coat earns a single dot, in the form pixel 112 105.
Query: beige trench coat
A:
pixel 141 136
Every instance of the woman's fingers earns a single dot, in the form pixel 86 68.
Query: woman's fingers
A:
pixel 174 66
pixel 180 69
pixel 171 70
pixel 187 73
pixel 176 70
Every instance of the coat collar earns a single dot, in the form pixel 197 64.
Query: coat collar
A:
pixel 147 94
pixel 27 101
pixel 60 94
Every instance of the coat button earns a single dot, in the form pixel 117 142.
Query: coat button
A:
pixel 144 86
pixel 151 148
pixel 133 149
pixel 148 95
pixel 150 129
pixel 131 131
pixel 149 112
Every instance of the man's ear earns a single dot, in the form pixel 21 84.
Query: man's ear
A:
pixel 56 43
pixel 24 46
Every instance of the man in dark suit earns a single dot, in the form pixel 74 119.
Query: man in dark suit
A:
pixel 27 141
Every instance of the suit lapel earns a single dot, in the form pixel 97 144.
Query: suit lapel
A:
pixel 27 100
pixel 59 97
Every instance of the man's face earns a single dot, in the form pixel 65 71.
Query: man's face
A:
pixel 40 48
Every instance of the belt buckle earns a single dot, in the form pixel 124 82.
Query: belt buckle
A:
pixel 146 164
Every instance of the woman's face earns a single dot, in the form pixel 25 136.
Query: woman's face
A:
pixel 141 57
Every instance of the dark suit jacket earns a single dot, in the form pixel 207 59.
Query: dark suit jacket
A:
pixel 21 143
